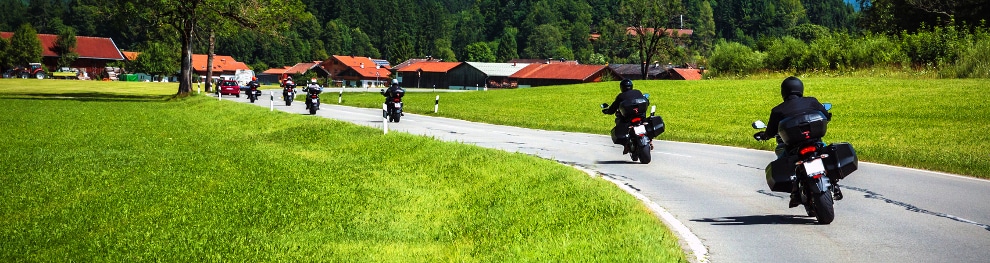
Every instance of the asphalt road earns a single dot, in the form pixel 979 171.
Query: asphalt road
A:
pixel 889 214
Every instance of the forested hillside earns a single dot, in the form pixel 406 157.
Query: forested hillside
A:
pixel 491 30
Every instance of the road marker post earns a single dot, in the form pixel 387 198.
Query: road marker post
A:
pixel 340 97
pixel 271 100
pixel 436 104
pixel 385 118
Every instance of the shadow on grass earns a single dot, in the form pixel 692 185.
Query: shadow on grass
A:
pixel 86 97
pixel 759 220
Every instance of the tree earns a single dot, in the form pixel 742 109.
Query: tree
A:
pixel 362 45
pixel 25 47
pixel 507 48
pixel 479 52
pixel 158 59
pixel 704 26
pixel 650 21
pixel 544 41
pixel 65 46
pixel 267 16
pixel 444 51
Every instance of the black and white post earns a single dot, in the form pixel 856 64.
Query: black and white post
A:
pixel 385 118
pixel 436 104
pixel 271 101
pixel 340 97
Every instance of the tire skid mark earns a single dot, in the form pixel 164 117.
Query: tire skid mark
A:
pixel 913 208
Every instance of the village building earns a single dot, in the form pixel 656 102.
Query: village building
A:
pixel 536 75
pixel 224 67
pixel 351 71
pixel 428 74
pixel 276 75
pixel 94 53
pixel 480 74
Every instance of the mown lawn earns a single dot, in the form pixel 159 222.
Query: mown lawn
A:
pixel 934 124
pixel 103 172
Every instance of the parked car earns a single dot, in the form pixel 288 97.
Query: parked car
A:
pixel 229 87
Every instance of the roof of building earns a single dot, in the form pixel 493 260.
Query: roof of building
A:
pixel 220 63
pixel 129 55
pixel 497 69
pixel 634 69
pixel 86 47
pixel 670 32
pixel 298 68
pixel 409 62
pixel 688 73
pixel 364 66
pixel 430 66
pixel 559 71
pixel 543 61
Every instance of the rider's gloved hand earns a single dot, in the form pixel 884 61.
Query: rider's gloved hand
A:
pixel 760 136
pixel 605 111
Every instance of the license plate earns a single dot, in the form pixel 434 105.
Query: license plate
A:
pixel 398 104
pixel 814 167
pixel 639 129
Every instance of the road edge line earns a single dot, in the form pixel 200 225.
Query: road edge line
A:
pixel 695 246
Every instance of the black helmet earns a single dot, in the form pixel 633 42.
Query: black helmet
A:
pixel 791 86
pixel 625 85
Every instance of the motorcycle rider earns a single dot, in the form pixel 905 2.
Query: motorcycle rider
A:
pixel 311 88
pixel 393 91
pixel 627 93
pixel 794 104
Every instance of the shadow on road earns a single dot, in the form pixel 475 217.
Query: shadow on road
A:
pixel 615 162
pixel 759 220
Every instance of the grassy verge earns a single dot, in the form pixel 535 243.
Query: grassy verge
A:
pixel 935 124
pixel 123 179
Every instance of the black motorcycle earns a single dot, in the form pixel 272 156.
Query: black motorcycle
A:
pixel 810 169
pixel 393 105
pixel 640 130
pixel 288 93
pixel 253 92
pixel 312 99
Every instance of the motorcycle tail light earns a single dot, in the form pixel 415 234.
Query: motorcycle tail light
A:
pixel 817 176
pixel 397 100
pixel 636 120
pixel 807 149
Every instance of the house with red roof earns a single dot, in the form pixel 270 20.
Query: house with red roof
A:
pixel 94 52
pixel 681 74
pixel 427 74
pixel 562 74
pixel 351 71
pixel 274 75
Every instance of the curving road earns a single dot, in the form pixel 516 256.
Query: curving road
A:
pixel 889 214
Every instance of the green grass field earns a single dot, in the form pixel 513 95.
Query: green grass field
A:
pixel 935 124
pixel 110 171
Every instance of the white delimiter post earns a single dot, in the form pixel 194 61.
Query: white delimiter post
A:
pixel 436 104
pixel 272 100
pixel 340 98
pixel 385 118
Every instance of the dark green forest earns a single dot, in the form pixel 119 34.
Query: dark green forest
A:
pixel 499 30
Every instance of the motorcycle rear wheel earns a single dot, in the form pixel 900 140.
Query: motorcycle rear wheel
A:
pixel 288 102
pixel 395 117
pixel 312 110
pixel 824 211
pixel 644 155
pixel 252 99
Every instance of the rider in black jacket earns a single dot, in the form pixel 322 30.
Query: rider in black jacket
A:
pixel 795 104
pixel 628 93
pixel 393 91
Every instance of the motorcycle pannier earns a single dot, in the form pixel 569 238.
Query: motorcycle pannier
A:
pixel 619 137
pixel 841 160
pixel 779 174
pixel 655 127
pixel 797 129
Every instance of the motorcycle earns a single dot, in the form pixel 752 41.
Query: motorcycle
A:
pixel 638 137
pixel 312 99
pixel 253 92
pixel 811 169
pixel 288 93
pixel 393 107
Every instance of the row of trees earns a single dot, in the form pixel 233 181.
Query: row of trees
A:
pixel 955 51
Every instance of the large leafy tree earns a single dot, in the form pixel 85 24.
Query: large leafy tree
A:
pixel 507 48
pixel 544 42
pixel 158 59
pixel 25 47
pixel 649 19
pixel 480 52
pixel 268 16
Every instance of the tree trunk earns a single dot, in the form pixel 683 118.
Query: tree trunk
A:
pixel 185 78
pixel 209 62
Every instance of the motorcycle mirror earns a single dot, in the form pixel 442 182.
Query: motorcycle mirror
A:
pixel 604 105
pixel 653 109
pixel 647 95
pixel 758 124
pixel 828 105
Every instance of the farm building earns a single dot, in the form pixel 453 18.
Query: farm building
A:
pixel 680 74
pixel 224 67
pixel 536 75
pixel 351 71
pixel 94 53
pixel 632 71
pixel 276 75
pixel 469 75
pixel 428 74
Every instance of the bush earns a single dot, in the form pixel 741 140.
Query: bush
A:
pixel 873 50
pixel 974 62
pixel 827 52
pixel 736 58
pixel 934 47
pixel 785 53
